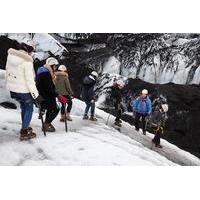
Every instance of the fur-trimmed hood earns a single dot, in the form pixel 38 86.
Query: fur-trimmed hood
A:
pixel 60 73
pixel 20 53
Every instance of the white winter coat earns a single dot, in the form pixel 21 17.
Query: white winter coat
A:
pixel 20 75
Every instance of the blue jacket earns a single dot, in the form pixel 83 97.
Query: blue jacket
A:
pixel 142 105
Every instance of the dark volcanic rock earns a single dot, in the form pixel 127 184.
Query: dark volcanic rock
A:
pixel 183 124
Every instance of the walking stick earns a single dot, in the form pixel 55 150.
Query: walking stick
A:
pixel 107 119
pixel 42 120
pixel 66 128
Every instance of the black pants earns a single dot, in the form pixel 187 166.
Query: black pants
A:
pixel 137 121
pixel 52 109
pixel 118 109
pixel 69 105
pixel 156 139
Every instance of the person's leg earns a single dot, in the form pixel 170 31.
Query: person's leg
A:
pixel 88 104
pixel 52 112
pixel 28 111
pixel 137 121
pixel 92 109
pixel 63 109
pixel 69 104
pixel 144 124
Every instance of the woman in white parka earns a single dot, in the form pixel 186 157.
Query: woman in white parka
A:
pixel 20 80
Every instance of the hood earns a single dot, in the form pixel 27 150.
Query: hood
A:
pixel 42 70
pixel 88 80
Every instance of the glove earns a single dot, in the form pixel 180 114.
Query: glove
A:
pixel 62 99
pixel 39 100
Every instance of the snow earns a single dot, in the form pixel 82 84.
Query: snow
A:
pixel 86 143
pixel 112 66
pixel 43 42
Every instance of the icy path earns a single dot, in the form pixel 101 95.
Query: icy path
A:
pixel 86 143
pixel 169 150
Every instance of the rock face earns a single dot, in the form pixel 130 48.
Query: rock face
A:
pixel 168 63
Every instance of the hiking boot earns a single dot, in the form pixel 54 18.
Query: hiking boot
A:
pixel 117 123
pixel 158 146
pixel 144 132
pixel 93 118
pixel 68 117
pixel 49 127
pixel 26 134
pixel 85 117
pixel 62 119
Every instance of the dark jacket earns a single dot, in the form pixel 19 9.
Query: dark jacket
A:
pixel 116 94
pixel 88 93
pixel 45 84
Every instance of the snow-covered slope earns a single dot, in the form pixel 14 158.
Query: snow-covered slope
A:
pixel 86 143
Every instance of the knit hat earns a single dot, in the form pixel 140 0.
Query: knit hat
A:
pixel 62 68
pixel 51 61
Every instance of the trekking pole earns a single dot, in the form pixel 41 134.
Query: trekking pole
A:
pixel 42 120
pixel 108 119
pixel 66 128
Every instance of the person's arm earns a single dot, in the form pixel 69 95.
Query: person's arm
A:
pixel 30 79
pixel 68 87
pixel 149 106
pixel 135 105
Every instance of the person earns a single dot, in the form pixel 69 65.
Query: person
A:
pixel 157 123
pixel 20 81
pixel 142 108
pixel 46 87
pixel 88 95
pixel 117 99
pixel 63 88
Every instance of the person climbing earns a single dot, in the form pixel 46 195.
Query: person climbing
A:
pixel 46 87
pixel 157 123
pixel 142 108
pixel 117 100
pixel 20 81
pixel 88 95
pixel 63 88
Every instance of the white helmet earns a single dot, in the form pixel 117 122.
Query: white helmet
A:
pixel 145 91
pixel 51 61
pixel 94 74
pixel 120 83
pixel 165 107
pixel 62 68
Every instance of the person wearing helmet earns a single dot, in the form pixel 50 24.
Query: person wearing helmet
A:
pixel 63 87
pixel 46 88
pixel 157 123
pixel 117 100
pixel 20 82
pixel 142 108
pixel 88 95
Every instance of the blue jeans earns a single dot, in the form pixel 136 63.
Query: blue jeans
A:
pixel 91 106
pixel 26 105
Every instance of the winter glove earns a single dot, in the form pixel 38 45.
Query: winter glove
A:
pixel 39 100
pixel 62 99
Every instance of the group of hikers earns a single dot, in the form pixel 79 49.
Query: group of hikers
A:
pixel 51 85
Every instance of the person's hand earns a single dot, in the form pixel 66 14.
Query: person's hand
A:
pixel 62 99
pixel 92 101
pixel 39 100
